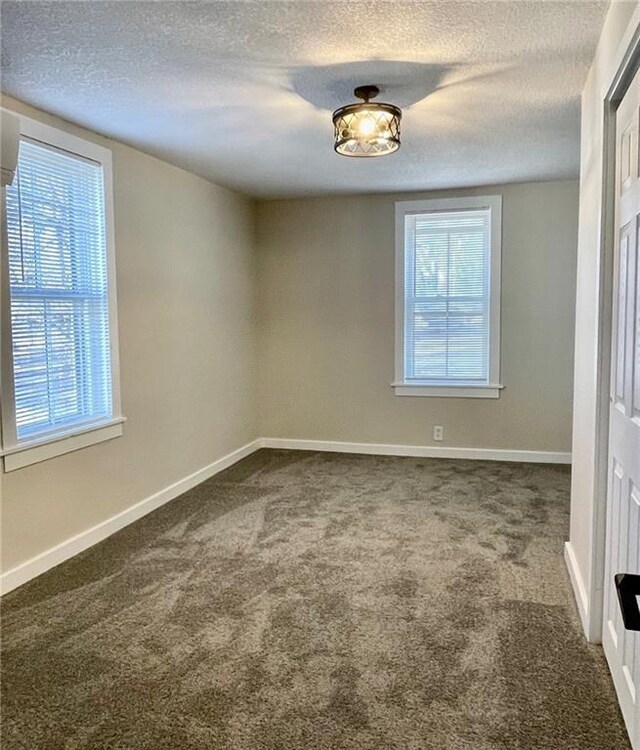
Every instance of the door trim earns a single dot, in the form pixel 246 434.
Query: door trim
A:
pixel 627 69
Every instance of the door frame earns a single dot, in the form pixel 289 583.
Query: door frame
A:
pixel 628 67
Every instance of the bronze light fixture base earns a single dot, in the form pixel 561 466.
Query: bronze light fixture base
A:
pixel 366 128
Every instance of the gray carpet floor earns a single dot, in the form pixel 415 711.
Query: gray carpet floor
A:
pixel 318 601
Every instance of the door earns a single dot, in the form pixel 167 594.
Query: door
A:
pixel 622 646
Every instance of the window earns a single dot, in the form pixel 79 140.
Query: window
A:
pixel 448 297
pixel 61 355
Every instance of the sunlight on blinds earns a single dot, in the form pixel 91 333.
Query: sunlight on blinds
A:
pixel 58 290
pixel 447 271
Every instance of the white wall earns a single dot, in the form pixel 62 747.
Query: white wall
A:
pixel 326 325
pixel 185 273
pixel 586 507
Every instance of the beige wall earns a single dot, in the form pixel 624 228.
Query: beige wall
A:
pixel 184 253
pixel 587 506
pixel 326 325
pixel 210 360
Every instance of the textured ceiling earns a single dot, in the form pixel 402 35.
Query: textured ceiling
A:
pixel 242 92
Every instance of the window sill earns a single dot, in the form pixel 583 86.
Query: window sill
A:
pixel 41 449
pixel 447 391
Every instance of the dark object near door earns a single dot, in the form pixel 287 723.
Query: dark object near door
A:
pixel 628 588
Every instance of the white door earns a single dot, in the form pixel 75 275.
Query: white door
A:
pixel 622 647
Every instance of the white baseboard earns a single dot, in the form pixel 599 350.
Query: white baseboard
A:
pixel 82 541
pixel 419 451
pixel 85 539
pixel 580 592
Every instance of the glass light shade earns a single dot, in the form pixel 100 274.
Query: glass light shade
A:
pixel 367 129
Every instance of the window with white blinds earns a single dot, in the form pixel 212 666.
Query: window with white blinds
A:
pixel 59 296
pixel 449 287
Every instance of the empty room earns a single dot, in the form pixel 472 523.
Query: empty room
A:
pixel 320 375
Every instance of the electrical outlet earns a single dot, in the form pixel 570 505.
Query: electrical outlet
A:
pixel 438 432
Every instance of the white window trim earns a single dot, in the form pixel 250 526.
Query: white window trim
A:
pixel 17 454
pixel 492 388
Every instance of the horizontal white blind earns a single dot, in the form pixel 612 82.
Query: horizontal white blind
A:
pixel 447 271
pixel 59 294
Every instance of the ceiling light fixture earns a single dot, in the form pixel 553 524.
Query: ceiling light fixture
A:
pixel 367 128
